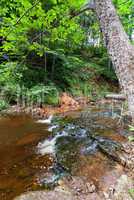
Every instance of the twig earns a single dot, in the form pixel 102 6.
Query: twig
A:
pixel 26 12
pixel 88 6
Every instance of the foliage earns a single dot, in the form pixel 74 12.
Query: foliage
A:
pixel 131 192
pixel 131 138
pixel 43 94
pixel 3 105
pixel 100 62
pixel 46 49
pixel 131 128
pixel 125 11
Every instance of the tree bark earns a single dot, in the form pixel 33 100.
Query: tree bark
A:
pixel 119 48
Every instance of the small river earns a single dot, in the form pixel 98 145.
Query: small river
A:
pixel 35 155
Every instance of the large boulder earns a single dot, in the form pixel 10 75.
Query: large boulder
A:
pixel 43 195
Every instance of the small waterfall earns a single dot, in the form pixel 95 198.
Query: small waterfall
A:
pixel 48 145
pixel 45 121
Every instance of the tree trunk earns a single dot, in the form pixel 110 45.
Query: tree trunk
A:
pixel 118 46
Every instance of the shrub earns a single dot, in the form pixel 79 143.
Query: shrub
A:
pixel 3 105
pixel 43 94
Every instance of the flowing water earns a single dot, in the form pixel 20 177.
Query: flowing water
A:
pixel 35 155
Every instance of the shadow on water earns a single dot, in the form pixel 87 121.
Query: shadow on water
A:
pixel 31 157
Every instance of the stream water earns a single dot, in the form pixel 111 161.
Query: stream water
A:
pixel 36 155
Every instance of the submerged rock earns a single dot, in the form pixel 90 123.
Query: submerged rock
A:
pixel 50 179
pixel 109 147
pixel 42 195
pixel 70 141
pixel 90 148
pixel 101 119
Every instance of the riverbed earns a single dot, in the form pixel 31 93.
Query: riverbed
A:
pixel 36 156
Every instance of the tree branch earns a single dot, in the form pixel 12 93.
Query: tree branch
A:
pixel 127 1
pixel 88 6
pixel 25 13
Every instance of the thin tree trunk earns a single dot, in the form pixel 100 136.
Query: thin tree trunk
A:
pixel 118 46
pixel 45 66
pixel 53 68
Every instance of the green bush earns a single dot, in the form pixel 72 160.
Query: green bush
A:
pixel 3 105
pixel 43 94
